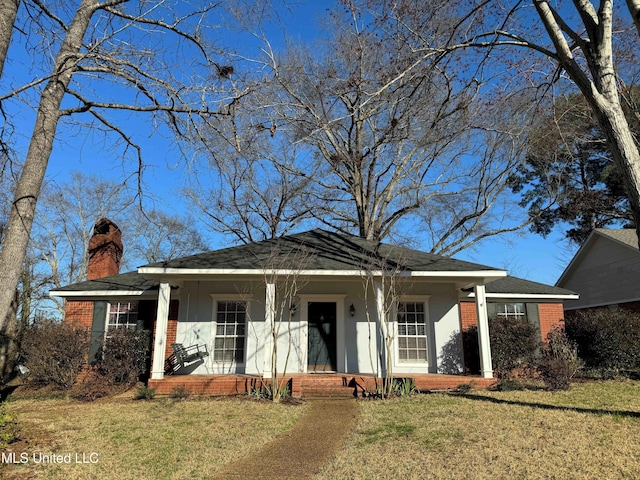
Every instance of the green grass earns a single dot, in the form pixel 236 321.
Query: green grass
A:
pixel 591 431
pixel 160 439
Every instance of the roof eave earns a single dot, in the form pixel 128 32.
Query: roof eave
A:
pixel 544 296
pixel 158 272
pixel 96 293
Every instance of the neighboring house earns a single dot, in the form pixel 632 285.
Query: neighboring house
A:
pixel 605 271
pixel 326 292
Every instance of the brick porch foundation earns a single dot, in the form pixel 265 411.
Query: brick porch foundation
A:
pixel 338 385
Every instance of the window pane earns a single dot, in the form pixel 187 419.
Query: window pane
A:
pixel 230 331
pixel 412 332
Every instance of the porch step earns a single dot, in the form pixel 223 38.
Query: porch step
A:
pixel 324 392
pixel 333 385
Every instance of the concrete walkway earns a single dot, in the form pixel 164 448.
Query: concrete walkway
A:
pixel 303 450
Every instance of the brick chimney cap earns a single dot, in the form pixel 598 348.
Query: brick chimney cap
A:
pixel 104 226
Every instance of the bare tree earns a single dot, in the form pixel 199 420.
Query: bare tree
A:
pixel 67 213
pixel 248 188
pixel 156 236
pixel 8 13
pixel 586 44
pixel 106 56
pixel 383 285
pixel 283 272
pixel 585 53
pixel 385 132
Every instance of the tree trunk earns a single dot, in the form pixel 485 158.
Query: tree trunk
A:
pixel 8 13
pixel 599 83
pixel 624 151
pixel 27 191
pixel 10 342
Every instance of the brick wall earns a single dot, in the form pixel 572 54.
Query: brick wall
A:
pixel 468 316
pixel 550 314
pixel 79 313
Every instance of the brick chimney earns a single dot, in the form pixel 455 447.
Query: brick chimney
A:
pixel 105 250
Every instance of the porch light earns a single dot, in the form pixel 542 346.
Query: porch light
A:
pixel 352 310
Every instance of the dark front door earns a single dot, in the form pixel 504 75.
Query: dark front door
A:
pixel 322 337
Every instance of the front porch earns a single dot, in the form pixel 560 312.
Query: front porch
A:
pixel 308 385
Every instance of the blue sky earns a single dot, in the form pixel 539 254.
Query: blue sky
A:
pixel 523 254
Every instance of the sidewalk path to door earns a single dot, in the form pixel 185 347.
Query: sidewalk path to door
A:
pixel 303 450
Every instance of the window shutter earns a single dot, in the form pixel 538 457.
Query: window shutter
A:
pixel 491 310
pixel 533 317
pixel 98 326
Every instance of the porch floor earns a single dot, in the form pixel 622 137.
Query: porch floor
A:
pixel 338 385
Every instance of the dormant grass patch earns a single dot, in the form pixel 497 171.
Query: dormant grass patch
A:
pixel 137 439
pixel 591 431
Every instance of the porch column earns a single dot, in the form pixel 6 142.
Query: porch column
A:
pixel 381 325
pixel 483 332
pixel 160 334
pixel 269 323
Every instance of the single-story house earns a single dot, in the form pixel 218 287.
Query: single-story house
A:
pixel 323 301
pixel 605 271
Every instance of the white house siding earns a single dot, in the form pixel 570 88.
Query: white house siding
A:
pixel 606 273
pixel 357 342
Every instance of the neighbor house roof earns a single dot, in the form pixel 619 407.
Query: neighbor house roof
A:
pixel 626 237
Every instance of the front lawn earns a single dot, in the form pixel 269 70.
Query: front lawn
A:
pixel 161 439
pixel 590 432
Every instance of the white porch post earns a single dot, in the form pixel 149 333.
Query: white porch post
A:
pixel 269 323
pixel 160 336
pixel 483 332
pixel 381 325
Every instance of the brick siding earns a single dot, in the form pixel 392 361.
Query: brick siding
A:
pixel 79 313
pixel 550 314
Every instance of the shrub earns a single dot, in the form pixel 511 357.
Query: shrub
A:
pixel 54 353
pixel 123 356
pixel 607 341
pixel 145 393
pixel 559 362
pixel 514 344
pixel 8 428
pixel 402 387
pixel 92 387
pixel 179 392
pixel 511 385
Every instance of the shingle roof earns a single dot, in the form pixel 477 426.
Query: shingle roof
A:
pixel 130 281
pixel 627 236
pixel 515 285
pixel 315 250
pixel 320 250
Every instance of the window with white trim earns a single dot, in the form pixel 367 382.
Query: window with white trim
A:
pixel 511 310
pixel 412 332
pixel 122 315
pixel 229 341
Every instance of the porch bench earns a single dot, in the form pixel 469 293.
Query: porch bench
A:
pixel 182 355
